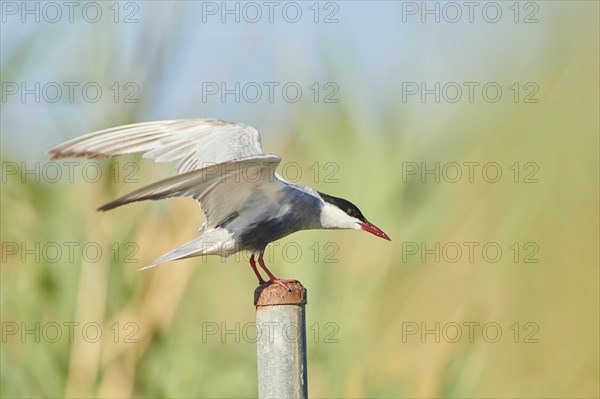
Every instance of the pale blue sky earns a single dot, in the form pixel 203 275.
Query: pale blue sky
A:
pixel 368 53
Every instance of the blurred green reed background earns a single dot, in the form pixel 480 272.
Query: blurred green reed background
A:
pixel 184 329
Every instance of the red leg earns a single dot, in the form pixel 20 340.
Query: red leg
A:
pixel 253 266
pixel 272 278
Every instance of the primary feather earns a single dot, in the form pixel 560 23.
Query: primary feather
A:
pixel 194 143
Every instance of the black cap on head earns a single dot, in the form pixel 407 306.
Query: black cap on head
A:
pixel 344 205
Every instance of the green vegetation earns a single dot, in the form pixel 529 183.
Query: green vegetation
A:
pixel 366 295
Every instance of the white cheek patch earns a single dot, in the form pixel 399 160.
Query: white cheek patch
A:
pixel 333 217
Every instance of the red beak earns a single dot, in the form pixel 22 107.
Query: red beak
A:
pixel 371 228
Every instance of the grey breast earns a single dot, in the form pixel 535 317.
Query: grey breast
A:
pixel 304 213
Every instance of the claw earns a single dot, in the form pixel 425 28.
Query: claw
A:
pixel 272 278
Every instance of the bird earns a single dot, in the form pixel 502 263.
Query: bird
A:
pixel 222 166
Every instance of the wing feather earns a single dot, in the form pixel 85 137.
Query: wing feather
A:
pixel 221 164
pixel 194 143
pixel 235 180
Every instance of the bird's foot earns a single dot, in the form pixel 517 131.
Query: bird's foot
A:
pixel 272 278
pixel 283 283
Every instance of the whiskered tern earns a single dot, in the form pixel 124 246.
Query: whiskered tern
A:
pixel 222 166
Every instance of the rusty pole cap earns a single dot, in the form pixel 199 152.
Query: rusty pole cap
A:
pixel 275 294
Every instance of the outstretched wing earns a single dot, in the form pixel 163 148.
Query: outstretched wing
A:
pixel 223 190
pixel 194 143
pixel 221 164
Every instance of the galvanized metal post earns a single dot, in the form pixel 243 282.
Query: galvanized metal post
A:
pixel 281 341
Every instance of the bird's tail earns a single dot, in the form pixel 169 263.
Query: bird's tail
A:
pixel 214 242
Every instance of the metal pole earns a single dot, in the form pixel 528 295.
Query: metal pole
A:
pixel 281 341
